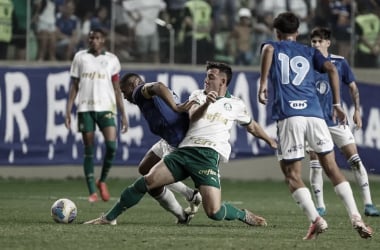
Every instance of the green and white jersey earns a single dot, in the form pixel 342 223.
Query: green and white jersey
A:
pixel 95 73
pixel 213 129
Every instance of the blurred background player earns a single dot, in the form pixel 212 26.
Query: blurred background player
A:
pixel 95 79
pixel 296 109
pixel 341 134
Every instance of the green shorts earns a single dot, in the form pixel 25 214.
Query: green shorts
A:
pixel 201 164
pixel 88 120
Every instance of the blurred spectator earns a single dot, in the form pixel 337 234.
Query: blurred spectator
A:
pixel 67 32
pixel 19 29
pixel 101 20
pixel 124 32
pixel 340 23
pixel 144 14
pixel 304 9
pixel 322 13
pixel 367 26
pixel 6 12
pixel 241 37
pixel 85 26
pixel 196 28
pixel 223 9
pixel 44 19
pixel 262 32
pixel 175 10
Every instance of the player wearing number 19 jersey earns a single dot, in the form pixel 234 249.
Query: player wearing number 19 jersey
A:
pixel 290 67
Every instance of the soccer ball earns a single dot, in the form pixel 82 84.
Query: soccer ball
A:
pixel 63 211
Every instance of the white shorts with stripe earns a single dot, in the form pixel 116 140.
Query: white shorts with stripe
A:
pixel 292 133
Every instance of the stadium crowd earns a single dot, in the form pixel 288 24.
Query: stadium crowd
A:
pixel 225 30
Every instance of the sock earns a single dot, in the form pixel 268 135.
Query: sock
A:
pixel 108 159
pixel 302 197
pixel 361 177
pixel 344 191
pixel 181 188
pixel 168 201
pixel 88 166
pixel 228 212
pixel 316 182
pixel 129 197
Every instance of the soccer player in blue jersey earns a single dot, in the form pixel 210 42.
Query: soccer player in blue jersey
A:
pixel 212 114
pixel 167 118
pixel 290 68
pixel 341 135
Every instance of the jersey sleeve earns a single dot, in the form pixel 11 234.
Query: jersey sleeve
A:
pixel 75 67
pixel 116 68
pixel 243 117
pixel 319 60
pixel 347 74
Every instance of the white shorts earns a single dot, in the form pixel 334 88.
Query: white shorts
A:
pixel 293 131
pixel 161 148
pixel 342 135
pixel 45 26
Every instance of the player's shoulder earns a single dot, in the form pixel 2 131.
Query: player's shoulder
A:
pixel 197 92
pixel 337 57
pixel 81 53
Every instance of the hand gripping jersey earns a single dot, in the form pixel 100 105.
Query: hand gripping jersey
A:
pixel 213 129
pixel 162 119
pixel 292 76
pixel 346 76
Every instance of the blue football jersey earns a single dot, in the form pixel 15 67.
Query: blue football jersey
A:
pixel 162 119
pixel 292 77
pixel 346 76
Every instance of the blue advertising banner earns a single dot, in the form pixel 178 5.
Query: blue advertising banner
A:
pixel 33 102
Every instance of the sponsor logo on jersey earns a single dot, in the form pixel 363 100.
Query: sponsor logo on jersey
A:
pixel 298 104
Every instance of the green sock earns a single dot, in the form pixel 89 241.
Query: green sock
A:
pixel 129 197
pixel 88 165
pixel 108 160
pixel 233 213
pixel 228 212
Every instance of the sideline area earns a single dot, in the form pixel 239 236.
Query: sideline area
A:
pixel 261 168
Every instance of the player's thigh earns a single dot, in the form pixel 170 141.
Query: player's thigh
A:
pixel 211 199
pixel 318 135
pixel 107 124
pixel 159 175
pixel 150 159
pixel 86 122
pixel 291 138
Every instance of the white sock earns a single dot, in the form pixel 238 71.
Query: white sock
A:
pixel 302 197
pixel 361 177
pixel 181 188
pixel 316 182
pixel 168 201
pixel 344 191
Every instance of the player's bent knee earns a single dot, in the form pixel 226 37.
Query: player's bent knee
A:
pixel 111 147
pixel 218 216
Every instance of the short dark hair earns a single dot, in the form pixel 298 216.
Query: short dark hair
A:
pixel 223 67
pixel 286 22
pixel 322 32
pixel 128 78
pixel 98 30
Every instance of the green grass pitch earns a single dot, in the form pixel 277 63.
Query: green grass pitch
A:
pixel 25 221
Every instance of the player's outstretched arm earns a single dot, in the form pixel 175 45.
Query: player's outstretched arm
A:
pixel 256 130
